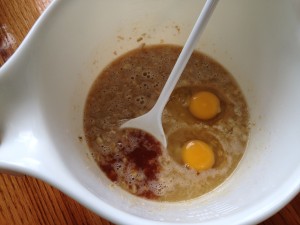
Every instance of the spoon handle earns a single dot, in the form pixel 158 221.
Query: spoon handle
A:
pixel 185 54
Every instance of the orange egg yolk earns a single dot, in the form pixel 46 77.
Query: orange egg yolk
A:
pixel 204 105
pixel 198 155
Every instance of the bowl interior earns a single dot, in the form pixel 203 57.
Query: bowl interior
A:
pixel 257 41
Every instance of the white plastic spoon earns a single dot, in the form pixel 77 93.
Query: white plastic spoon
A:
pixel 151 121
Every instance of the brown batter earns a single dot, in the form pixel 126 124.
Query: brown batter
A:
pixel 128 88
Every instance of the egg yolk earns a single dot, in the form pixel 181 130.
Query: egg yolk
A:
pixel 204 105
pixel 198 155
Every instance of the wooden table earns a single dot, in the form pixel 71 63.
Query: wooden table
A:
pixel 26 200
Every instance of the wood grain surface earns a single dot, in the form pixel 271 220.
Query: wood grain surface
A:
pixel 26 200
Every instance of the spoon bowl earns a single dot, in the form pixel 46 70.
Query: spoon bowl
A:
pixel 151 121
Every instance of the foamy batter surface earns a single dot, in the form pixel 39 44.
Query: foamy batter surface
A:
pixel 128 88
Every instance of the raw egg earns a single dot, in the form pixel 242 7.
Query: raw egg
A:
pixel 204 105
pixel 198 155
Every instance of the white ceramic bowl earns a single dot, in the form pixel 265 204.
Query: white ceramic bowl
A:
pixel 43 88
